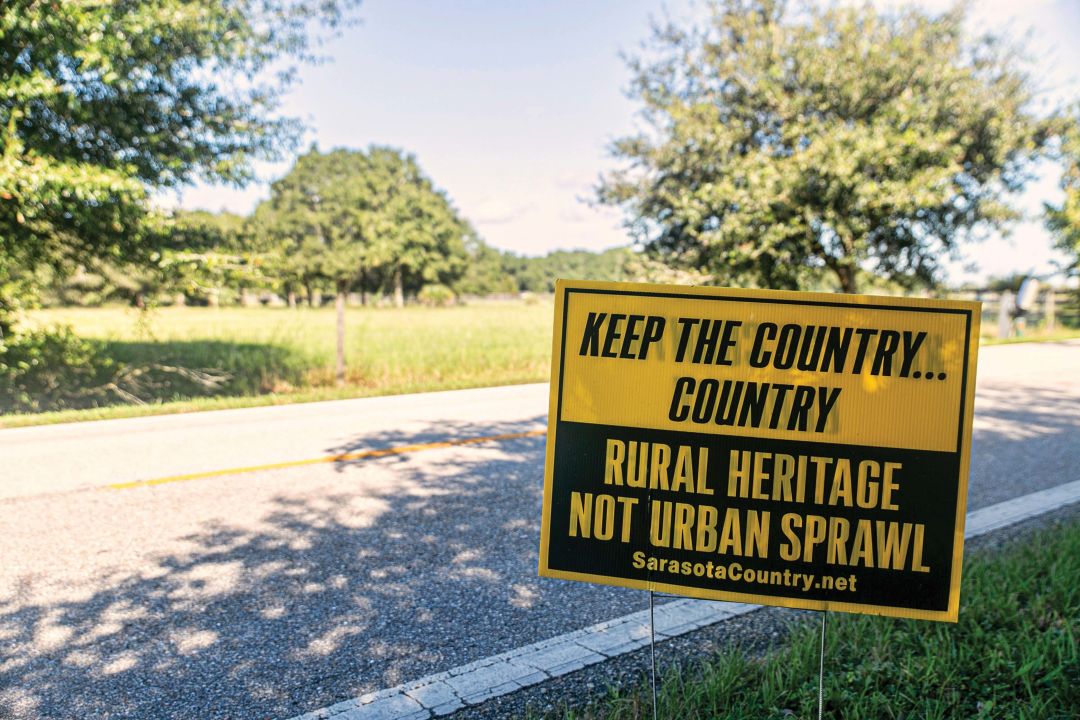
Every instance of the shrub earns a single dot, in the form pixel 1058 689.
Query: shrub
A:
pixel 52 369
pixel 55 369
pixel 436 295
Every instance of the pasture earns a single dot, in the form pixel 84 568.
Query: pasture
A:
pixel 276 355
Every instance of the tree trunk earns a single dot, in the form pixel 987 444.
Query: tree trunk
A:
pixel 342 291
pixel 846 273
pixel 7 322
pixel 399 289
pixel 290 295
pixel 363 286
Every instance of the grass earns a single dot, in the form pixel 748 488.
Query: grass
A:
pixel 1035 336
pixel 278 355
pixel 1012 655
pixel 274 356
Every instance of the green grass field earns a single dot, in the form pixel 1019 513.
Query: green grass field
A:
pixel 280 355
pixel 275 355
pixel 1012 655
pixel 1036 336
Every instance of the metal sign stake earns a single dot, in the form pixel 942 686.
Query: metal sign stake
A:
pixel 652 652
pixel 821 667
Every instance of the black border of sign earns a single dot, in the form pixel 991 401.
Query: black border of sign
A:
pixel 774 301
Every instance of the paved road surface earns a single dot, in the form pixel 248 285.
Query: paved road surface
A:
pixel 266 594
pixel 60 458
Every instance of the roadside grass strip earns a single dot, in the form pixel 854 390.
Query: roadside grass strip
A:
pixel 1056 336
pixel 1012 655
pixel 276 356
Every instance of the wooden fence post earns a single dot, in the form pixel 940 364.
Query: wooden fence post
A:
pixel 1005 307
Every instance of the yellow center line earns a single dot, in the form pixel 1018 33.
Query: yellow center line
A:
pixel 345 457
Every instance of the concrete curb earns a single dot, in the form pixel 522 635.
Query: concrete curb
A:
pixel 502 674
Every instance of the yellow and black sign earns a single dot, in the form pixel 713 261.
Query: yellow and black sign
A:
pixel 797 449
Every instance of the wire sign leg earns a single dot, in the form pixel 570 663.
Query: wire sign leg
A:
pixel 821 668
pixel 652 652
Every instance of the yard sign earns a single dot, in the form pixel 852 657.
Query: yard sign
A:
pixel 796 449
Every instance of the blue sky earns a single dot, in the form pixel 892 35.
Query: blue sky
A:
pixel 511 106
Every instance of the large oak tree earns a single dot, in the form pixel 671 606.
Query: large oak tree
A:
pixel 347 215
pixel 779 145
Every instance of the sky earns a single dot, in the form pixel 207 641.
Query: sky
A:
pixel 511 108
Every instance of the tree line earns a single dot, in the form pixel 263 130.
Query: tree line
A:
pixel 377 231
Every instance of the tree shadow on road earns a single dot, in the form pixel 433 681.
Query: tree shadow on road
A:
pixel 1024 439
pixel 400 443
pixel 311 587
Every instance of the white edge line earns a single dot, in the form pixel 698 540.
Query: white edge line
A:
pixel 502 674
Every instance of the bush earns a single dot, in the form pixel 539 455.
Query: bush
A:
pixel 55 369
pixel 436 295
pixel 52 370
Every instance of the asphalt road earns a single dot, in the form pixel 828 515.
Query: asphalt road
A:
pixel 268 593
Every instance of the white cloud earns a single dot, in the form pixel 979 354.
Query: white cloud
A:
pixel 497 211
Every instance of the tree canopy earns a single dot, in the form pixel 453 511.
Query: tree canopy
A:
pixel 101 102
pixel 1064 220
pixel 348 215
pixel 780 143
